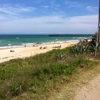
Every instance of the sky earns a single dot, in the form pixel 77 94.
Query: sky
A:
pixel 48 16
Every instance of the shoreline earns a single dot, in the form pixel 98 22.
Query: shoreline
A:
pixel 31 44
pixel 11 52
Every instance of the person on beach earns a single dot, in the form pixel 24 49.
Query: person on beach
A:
pixel 45 47
pixel 25 45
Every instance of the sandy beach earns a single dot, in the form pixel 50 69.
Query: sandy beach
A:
pixel 21 52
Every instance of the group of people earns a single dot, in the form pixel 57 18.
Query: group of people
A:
pixel 43 47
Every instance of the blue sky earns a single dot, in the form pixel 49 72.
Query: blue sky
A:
pixel 48 16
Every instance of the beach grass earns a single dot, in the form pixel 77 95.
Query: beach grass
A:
pixel 39 75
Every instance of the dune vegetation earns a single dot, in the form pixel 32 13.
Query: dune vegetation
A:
pixel 37 76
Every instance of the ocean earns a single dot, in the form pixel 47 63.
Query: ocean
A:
pixel 21 40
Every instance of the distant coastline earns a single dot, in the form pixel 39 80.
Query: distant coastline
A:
pixel 70 35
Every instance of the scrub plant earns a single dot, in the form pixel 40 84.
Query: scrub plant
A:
pixel 85 48
pixel 60 55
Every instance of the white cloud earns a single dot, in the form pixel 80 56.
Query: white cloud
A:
pixel 59 13
pixel 2 17
pixel 7 10
pixel 53 2
pixel 51 24
pixel 71 4
pixel 37 1
pixel 45 6
pixel 84 19
pixel 14 10
pixel 91 9
pixel 26 9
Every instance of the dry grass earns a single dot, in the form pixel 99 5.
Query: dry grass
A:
pixel 67 87
pixel 69 90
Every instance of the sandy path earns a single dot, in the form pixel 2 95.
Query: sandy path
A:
pixel 22 52
pixel 90 91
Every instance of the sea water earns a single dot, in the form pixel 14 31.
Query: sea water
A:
pixel 19 40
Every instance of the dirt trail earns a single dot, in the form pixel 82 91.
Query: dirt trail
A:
pixel 90 91
pixel 86 86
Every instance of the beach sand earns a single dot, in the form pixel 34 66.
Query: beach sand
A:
pixel 21 52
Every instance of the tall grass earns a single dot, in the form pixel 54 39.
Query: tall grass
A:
pixel 32 74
